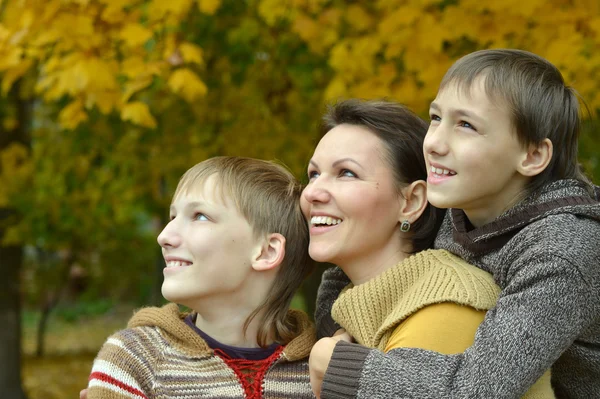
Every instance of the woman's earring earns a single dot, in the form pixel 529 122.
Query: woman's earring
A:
pixel 405 226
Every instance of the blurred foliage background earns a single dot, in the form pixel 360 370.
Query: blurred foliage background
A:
pixel 105 103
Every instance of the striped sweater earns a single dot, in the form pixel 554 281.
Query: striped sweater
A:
pixel 158 357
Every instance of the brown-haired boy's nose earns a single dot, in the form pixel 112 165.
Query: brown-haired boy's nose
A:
pixel 435 142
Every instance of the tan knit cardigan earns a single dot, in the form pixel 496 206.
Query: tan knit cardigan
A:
pixel 370 312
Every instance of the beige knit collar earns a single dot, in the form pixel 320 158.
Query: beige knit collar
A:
pixel 371 311
pixel 171 321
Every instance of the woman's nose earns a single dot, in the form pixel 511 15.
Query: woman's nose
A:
pixel 316 191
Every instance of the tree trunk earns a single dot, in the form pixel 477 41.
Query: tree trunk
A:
pixel 49 305
pixel 10 320
pixel 11 260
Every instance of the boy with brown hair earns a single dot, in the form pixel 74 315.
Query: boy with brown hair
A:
pixel 235 251
pixel 501 151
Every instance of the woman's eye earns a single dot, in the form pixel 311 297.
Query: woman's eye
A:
pixel 200 216
pixel 434 117
pixel 347 173
pixel 312 174
pixel 467 125
pixel 171 217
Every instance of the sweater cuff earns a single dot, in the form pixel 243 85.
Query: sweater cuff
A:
pixel 343 373
pixel 326 326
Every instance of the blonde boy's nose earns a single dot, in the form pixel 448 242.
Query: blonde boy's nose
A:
pixel 168 237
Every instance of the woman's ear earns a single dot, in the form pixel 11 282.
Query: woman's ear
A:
pixel 536 159
pixel 414 202
pixel 270 254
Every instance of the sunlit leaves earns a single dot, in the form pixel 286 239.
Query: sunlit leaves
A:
pixel 98 53
pixel 423 37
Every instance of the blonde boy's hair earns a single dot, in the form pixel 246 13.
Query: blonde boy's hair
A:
pixel 268 196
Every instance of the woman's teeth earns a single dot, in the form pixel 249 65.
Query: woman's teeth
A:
pixel 320 220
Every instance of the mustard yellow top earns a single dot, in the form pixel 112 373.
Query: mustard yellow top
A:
pixel 446 328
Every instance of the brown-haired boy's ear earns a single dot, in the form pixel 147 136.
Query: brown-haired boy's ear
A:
pixel 271 253
pixel 415 201
pixel 536 159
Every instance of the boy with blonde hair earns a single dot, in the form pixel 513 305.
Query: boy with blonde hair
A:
pixel 235 251
pixel 501 151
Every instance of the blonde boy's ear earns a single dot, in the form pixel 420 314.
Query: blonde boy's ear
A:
pixel 536 159
pixel 415 201
pixel 271 253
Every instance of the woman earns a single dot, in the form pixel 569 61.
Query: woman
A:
pixel 369 215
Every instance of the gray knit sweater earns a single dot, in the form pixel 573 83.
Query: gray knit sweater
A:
pixel 545 255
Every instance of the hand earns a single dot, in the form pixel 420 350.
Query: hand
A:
pixel 320 355
pixel 83 394
pixel 342 335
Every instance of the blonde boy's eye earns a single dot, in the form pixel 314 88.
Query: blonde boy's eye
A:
pixel 200 216
pixel 467 125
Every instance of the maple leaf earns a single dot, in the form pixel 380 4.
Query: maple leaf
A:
pixel 135 35
pixel 138 113
pixel 208 6
pixel 187 84
pixel 72 115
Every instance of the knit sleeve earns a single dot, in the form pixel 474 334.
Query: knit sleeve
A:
pixel 122 369
pixel 332 283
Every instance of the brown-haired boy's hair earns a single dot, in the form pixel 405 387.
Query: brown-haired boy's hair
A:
pixel 268 196
pixel 402 133
pixel 540 103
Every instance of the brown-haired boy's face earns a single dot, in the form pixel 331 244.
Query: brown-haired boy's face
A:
pixel 208 246
pixel 472 154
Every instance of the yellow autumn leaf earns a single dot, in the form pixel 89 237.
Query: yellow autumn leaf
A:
pixel 191 53
pixel 134 86
pixel 208 6
pixel 160 9
pixel 135 35
pixel 93 74
pixel 133 66
pixel 187 84
pixel 138 113
pixel 358 18
pixel 273 11
pixel 10 76
pixel 72 115
pixel 106 101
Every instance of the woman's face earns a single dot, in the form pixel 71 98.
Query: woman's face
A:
pixel 351 201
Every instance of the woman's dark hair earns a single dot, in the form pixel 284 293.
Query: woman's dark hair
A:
pixel 402 133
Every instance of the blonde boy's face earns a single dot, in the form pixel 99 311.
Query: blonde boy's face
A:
pixel 208 248
pixel 472 154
